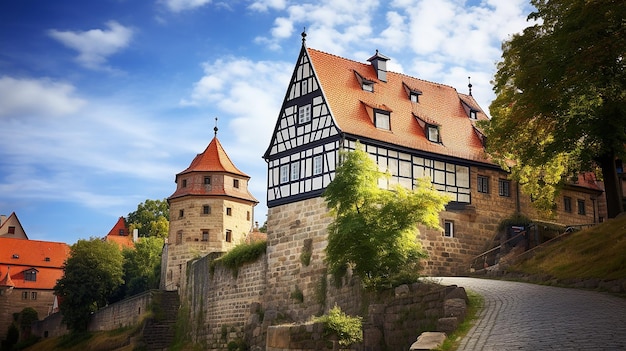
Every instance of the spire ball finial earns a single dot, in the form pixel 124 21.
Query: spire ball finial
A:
pixel 469 85
pixel 215 128
pixel 303 35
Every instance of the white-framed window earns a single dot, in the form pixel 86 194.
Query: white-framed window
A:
pixel 473 115
pixel 433 133
pixel 304 114
pixel 367 86
pixel 381 120
pixel 448 227
pixel 295 171
pixel 414 96
pixel 318 167
pixel 305 87
pixel 284 173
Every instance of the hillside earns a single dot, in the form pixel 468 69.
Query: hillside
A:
pixel 594 254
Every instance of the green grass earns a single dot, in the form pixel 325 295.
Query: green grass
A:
pixel 596 252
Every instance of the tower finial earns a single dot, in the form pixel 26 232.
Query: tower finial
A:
pixel 469 85
pixel 303 35
pixel 215 128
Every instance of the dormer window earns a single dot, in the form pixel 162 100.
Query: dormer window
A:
pixel 414 97
pixel 412 93
pixel 304 114
pixel 432 132
pixel 366 84
pixel 473 114
pixel 381 120
pixel 30 275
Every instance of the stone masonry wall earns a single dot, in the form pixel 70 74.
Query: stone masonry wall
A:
pixel 222 302
pixel 127 312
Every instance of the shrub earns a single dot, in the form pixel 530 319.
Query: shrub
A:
pixel 241 254
pixel 347 328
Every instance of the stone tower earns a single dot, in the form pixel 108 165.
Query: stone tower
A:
pixel 210 211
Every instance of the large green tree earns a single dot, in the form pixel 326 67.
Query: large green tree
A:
pixel 151 218
pixel 92 272
pixel 560 104
pixel 374 230
pixel 142 265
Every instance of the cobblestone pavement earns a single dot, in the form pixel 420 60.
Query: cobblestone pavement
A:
pixel 522 316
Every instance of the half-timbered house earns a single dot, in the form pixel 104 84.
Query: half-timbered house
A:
pixel 412 128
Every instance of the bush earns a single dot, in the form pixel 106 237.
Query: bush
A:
pixel 347 328
pixel 241 254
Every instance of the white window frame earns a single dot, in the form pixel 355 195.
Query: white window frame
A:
pixel 414 97
pixel 448 229
pixel 318 166
pixel 284 173
pixel 304 114
pixel 473 114
pixel 295 171
pixel 382 120
pixel 433 133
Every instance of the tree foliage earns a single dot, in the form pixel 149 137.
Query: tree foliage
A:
pixel 374 230
pixel 560 104
pixel 91 274
pixel 142 267
pixel 151 218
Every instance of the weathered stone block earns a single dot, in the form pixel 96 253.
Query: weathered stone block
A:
pixel 428 341
pixel 447 324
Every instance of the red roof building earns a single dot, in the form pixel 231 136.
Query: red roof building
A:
pixel 119 234
pixel 413 129
pixel 29 270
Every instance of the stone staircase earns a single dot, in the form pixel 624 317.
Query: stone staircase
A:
pixel 158 331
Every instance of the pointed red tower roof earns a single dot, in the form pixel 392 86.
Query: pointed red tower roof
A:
pixel 213 159
pixel 120 235
pixel 6 282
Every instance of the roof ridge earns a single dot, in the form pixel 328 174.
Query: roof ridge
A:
pixel 388 71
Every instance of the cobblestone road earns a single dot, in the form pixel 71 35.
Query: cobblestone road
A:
pixel 522 316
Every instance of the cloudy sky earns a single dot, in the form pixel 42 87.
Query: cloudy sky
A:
pixel 103 102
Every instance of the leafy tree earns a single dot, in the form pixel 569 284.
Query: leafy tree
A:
pixel 151 218
pixel 92 272
pixel 560 104
pixel 374 230
pixel 142 265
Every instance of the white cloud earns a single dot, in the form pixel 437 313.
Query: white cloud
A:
pixel 28 97
pixel 96 45
pixel 182 5
pixel 265 5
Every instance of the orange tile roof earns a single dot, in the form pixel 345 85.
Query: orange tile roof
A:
pixel 19 255
pixel 125 240
pixel 438 104
pixel 213 159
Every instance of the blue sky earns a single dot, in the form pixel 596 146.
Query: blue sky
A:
pixel 103 102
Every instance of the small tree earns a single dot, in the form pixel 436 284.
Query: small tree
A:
pixel 151 218
pixel 92 272
pixel 375 230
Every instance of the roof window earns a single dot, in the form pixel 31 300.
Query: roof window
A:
pixel 432 133
pixel 473 114
pixel 382 119
pixel 366 84
pixel 412 93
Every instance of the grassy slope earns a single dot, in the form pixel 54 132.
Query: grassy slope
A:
pixel 597 252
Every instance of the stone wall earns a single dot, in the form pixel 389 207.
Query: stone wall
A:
pixel 127 312
pixel 15 300
pixel 222 302
pixel 393 323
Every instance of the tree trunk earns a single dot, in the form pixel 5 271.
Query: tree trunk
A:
pixel 612 186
